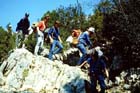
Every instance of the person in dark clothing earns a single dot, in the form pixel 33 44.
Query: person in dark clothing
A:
pixel 55 40
pixel 22 30
pixel 97 71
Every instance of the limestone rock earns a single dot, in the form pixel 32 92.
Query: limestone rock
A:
pixel 24 71
pixel 1 79
pixel 127 86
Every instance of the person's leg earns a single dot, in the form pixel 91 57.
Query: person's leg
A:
pixel 102 83
pixel 93 84
pixel 18 38
pixel 52 47
pixel 60 47
pixel 24 40
pixel 22 36
pixel 38 43
pixel 42 42
pixel 82 49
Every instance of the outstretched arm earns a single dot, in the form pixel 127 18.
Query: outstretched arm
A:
pixel 87 61
pixel 106 73
pixel 60 39
pixel 83 64
pixel 49 34
pixel 88 40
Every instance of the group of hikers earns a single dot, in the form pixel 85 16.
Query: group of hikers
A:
pixel 81 40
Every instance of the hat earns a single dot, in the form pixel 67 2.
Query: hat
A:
pixel 91 29
pixel 10 26
pixel 34 24
pixel 98 49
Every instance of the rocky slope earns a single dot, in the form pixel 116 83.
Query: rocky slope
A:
pixel 127 82
pixel 23 71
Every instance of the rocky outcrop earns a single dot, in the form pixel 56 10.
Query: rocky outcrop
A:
pixel 23 72
pixel 70 56
pixel 127 82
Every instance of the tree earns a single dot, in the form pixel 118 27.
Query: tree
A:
pixel 70 17
pixel 7 43
pixel 121 26
pixel 96 21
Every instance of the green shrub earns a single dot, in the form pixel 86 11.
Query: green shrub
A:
pixel 7 43
pixel 31 42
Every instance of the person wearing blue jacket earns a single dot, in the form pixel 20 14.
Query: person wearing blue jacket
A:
pixel 55 40
pixel 97 71
pixel 83 41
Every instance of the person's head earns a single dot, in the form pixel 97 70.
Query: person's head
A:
pixel 91 30
pixel 98 49
pixel 47 17
pixel 34 25
pixel 56 23
pixel 26 15
pixel 95 55
pixel 10 26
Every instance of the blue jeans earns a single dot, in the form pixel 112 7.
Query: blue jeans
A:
pixel 94 79
pixel 39 42
pixel 82 49
pixel 21 38
pixel 53 50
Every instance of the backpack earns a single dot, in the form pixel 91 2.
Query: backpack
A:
pixel 75 36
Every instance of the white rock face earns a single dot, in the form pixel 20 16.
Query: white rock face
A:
pixel 1 79
pixel 24 71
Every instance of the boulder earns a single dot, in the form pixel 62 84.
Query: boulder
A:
pixel 24 71
pixel 1 79
pixel 127 86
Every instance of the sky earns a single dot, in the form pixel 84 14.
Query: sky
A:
pixel 13 10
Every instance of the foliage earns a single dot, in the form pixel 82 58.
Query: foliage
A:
pixel 25 73
pixel 31 42
pixel 121 27
pixel 70 17
pixel 96 21
pixel 7 43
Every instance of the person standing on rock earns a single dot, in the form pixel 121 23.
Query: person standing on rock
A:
pixel 97 71
pixel 41 27
pixel 22 30
pixel 83 41
pixel 55 40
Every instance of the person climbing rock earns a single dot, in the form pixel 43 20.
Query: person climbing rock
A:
pixel 97 71
pixel 55 40
pixel 22 30
pixel 83 41
pixel 40 28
